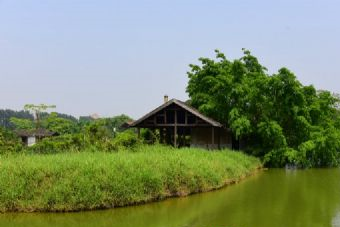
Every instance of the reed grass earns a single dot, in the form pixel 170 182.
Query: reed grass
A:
pixel 97 180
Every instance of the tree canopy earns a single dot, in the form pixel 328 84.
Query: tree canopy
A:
pixel 279 119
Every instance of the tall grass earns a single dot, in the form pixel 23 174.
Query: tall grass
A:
pixel 96 180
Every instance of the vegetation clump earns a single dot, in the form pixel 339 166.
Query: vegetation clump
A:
pixel 9 143
pixel 94 180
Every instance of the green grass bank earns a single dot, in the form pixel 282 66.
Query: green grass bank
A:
pixel 98 180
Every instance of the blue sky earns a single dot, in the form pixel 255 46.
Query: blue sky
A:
pixel 113 57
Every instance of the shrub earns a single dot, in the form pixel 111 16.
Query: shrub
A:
pixel 126 139
pixel 67 142
pixel 326 149
pixel 80 142
pixel 150 137
pixel 9 142
pixel 281 157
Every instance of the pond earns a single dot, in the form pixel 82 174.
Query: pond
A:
pixel 273 198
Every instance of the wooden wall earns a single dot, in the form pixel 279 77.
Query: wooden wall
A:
pixel 202 137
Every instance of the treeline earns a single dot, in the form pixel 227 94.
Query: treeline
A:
pixel 104 134
pixel 274 116
pixel 7 114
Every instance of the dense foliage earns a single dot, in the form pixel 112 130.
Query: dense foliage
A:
pixel 276 116
pixel 105 134
pixel 93 180
pixel 9 142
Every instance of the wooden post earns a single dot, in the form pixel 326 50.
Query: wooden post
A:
pixel 212 136
pixel 165 120
pixel 161 135
pixel 219 138
pixel 175 129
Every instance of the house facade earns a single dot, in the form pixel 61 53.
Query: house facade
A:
pixel 181 125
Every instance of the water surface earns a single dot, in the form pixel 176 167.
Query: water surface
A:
pixel 278 197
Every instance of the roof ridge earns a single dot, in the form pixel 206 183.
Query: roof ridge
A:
pixel 184 106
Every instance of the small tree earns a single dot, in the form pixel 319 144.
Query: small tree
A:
pixel 36 110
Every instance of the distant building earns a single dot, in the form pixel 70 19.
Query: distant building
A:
pixel 31 137
pixel 126 125
pixel 182 125
pixel 86 119
pixel 95 116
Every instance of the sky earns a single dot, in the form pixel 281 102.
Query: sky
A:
pixel 114 57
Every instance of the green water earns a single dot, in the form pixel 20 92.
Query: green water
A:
pixel 287 198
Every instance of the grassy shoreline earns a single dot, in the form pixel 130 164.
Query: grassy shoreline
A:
pixel 98 180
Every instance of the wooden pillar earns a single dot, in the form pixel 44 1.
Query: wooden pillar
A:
pixel 161 135
pixel 175 129
pixel 165 120
pixel 166 141
pixel 219 138
pixel 138 133
pixel 168 135
pixel 212 136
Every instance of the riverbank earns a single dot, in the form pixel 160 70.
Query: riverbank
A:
pixel 97 180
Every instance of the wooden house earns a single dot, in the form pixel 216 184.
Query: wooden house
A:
pixel 180 125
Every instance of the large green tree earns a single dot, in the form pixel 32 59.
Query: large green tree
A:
pixel 36 110
pixel 279 119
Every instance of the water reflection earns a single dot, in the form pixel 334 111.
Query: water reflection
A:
pixel 336 220
pixel 291 198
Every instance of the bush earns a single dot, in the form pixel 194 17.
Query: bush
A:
pixel 80 142
pixel 59 144
pixel 325 151
pixel 282 157
pixel 149 136
pixel 126 139
pixel 9 142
